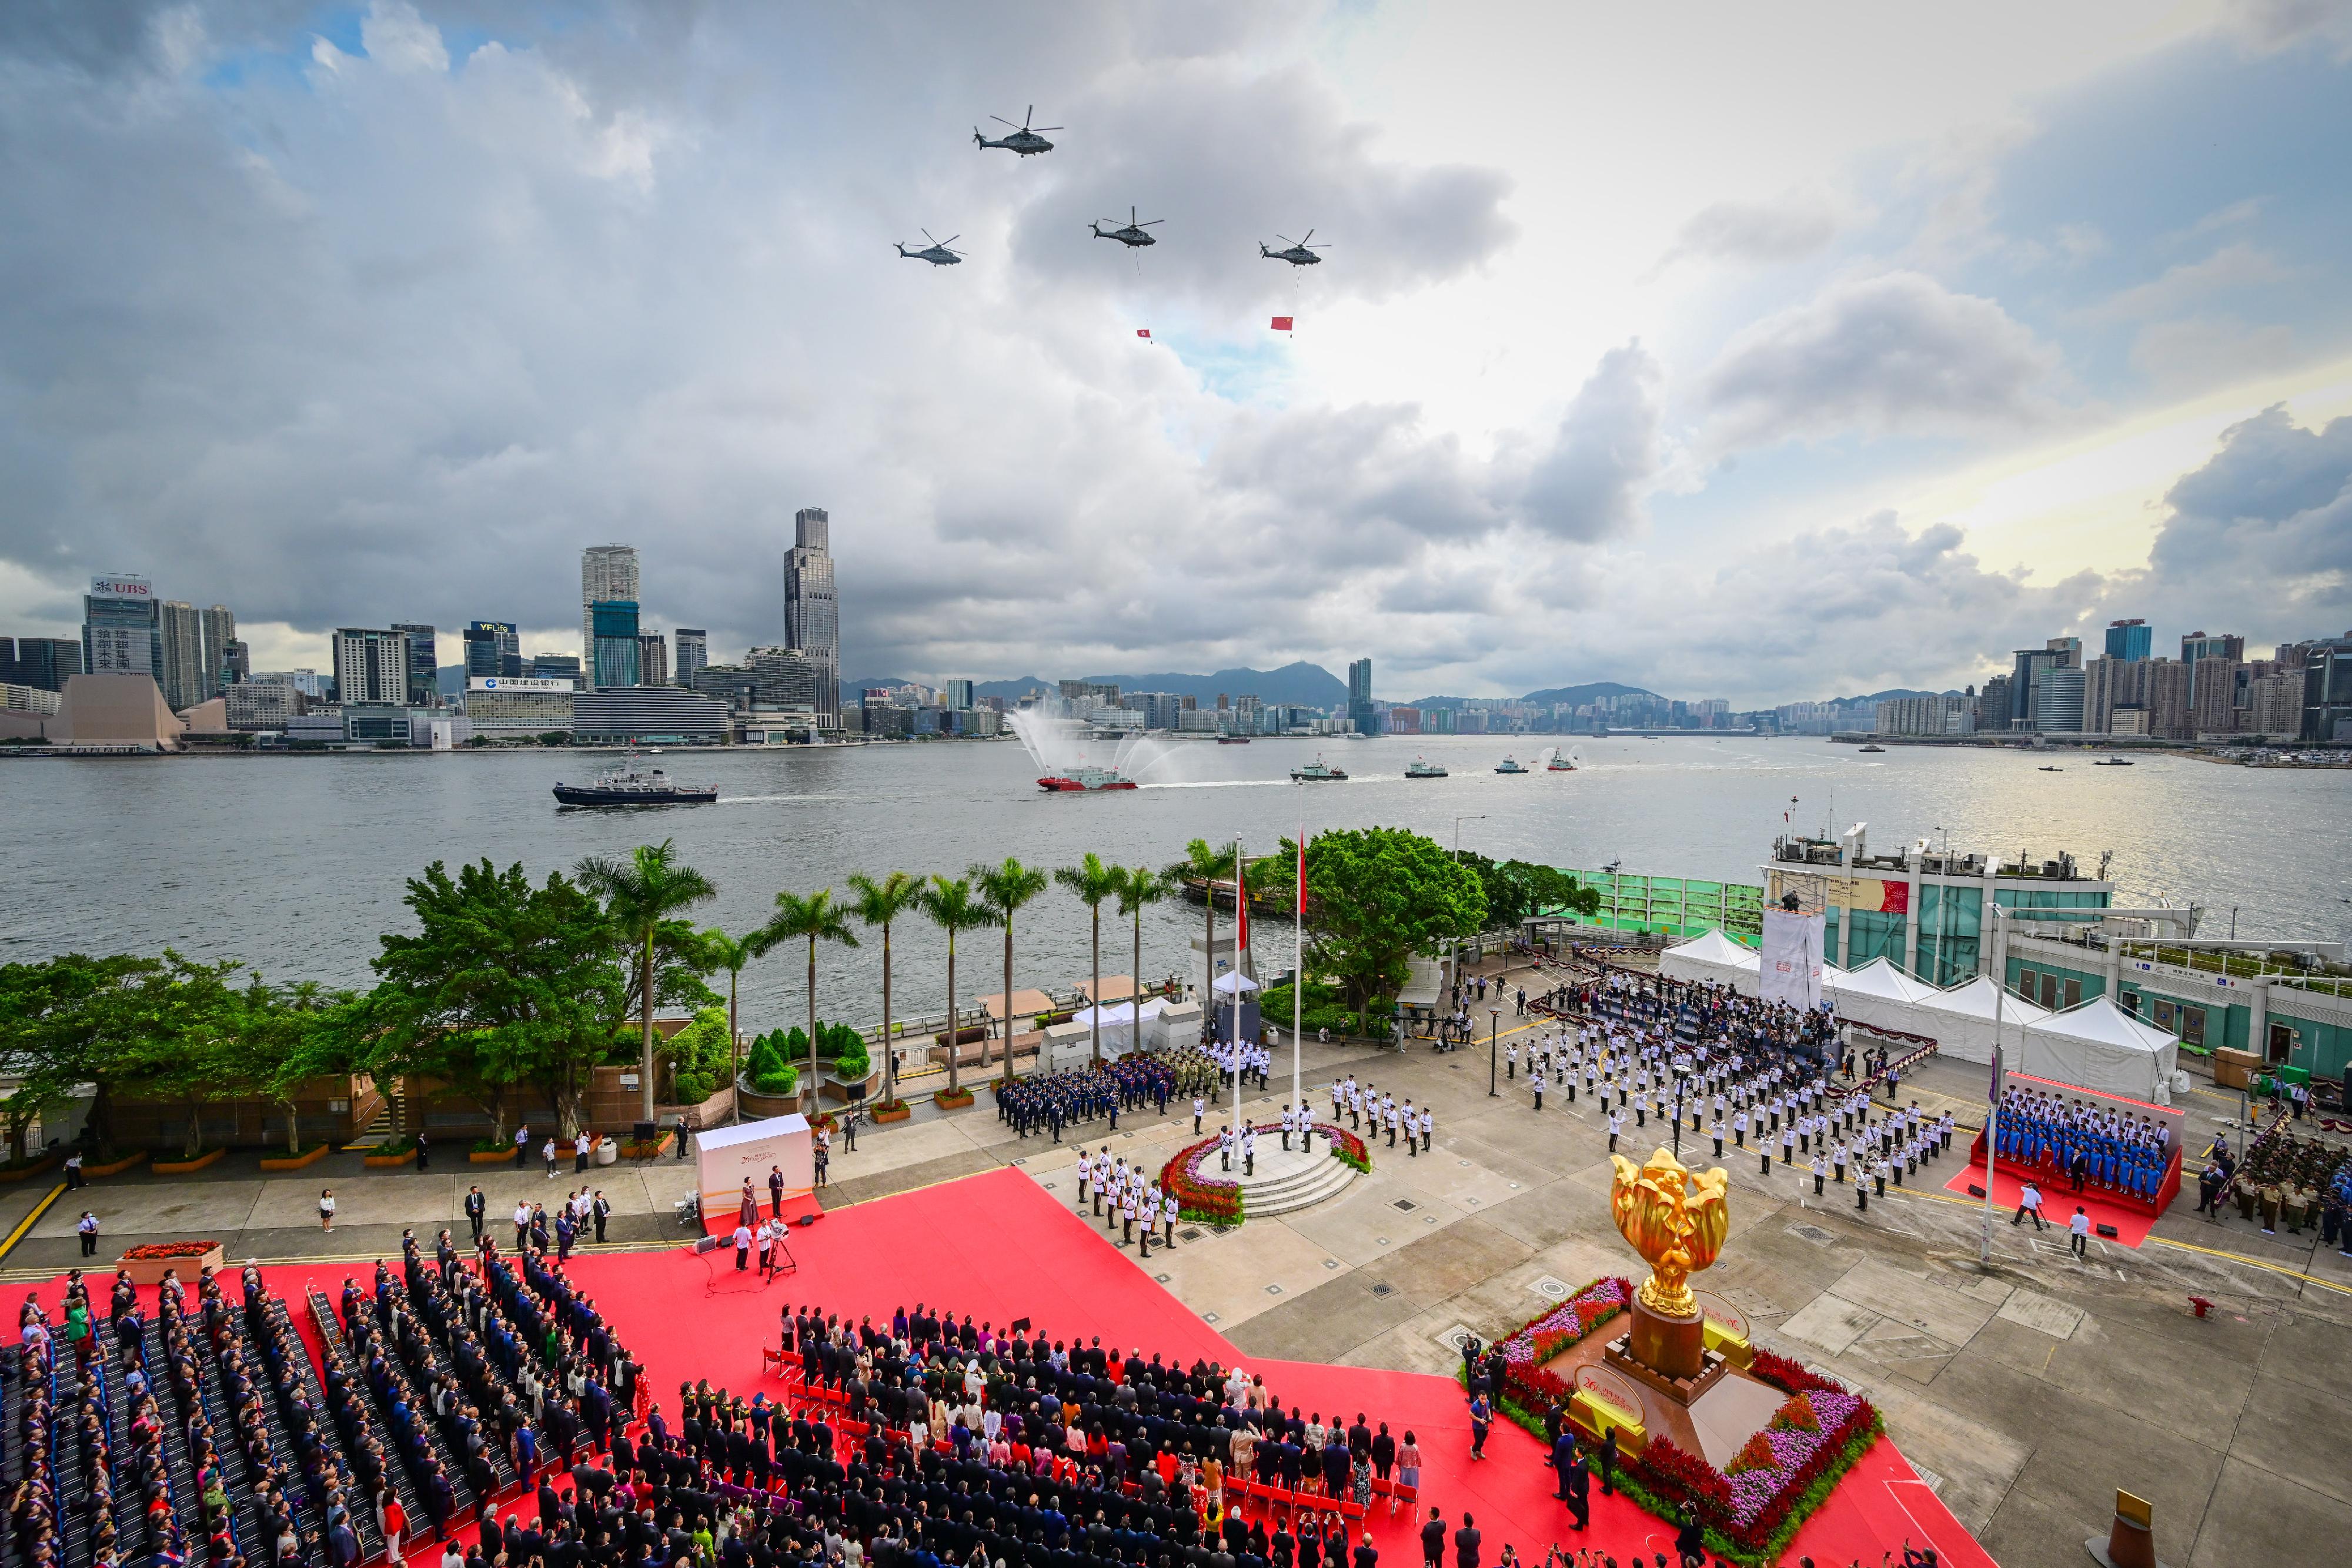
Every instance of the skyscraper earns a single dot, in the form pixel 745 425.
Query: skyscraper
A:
pixel 1360 716
pixel 608 573
pixel 653 659
pixel 492 648
pixel 692 645
pixel 371 664
pixel 2129 641
pixel 423 683
pixel 181 631
pixel 612 644
pixel 121 627
pixel 2196 647
pixel 46 663
pixel 812 612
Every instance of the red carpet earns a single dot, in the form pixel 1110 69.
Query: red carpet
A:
pixel 2132 1225
pixel 999 1246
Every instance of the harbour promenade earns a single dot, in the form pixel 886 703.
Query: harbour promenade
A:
pixel 2025 1391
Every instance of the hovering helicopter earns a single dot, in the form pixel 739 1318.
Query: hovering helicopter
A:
pixel 1132 235
pixel 937 253
pixel 1023 140
pixel 1300 253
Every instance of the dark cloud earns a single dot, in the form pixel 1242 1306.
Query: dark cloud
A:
pixel 1604 456
pixel 2262 534
pixel 1894 353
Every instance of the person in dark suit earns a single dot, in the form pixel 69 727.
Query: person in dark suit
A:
pixel 1605 1462
pixel 1578 1493
pixel 1432 1540
pixel 1563 1454
pixel 1466 1543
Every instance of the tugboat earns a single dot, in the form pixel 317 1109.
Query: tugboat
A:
pixel 628 785
pixel 1317 772
pixel 2114 762
pixel 1421 769
pixel 1868 749
pixel 1511 765
pixel 2047 767
pixel 1081 779
pixel 1560 764
pixel 1232 740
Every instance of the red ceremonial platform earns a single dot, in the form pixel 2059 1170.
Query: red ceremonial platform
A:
pixel 2129 1214
pixel 998 1247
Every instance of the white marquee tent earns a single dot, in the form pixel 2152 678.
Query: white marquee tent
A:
pixel 1712 958
pixel 1961 1020
pixel 2099 1046
pixel 1882 995
pixel 1118 1026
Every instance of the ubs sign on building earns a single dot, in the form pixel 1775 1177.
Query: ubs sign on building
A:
pixel 121 627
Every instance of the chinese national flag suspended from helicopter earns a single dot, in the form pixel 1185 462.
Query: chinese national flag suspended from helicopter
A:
pixel 1281 323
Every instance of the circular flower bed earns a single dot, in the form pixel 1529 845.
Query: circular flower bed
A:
pixel 1214 1197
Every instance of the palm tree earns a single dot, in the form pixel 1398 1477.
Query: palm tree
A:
pixel 1138 887
pixel 952 908
pixel 639 894
pixel 1093 882
pixel 1209 864
pixel 880 904
pixel 1004 889
pixel 731 953
pixel 819 919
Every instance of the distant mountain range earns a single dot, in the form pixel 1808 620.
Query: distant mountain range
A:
pixel 1891 693
pixel 1309 685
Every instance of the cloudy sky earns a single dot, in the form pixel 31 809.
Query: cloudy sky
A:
pixel 1735 351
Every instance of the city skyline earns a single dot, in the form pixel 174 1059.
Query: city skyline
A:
pixel 1842 379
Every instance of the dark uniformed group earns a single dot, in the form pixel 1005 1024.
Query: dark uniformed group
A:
pixel 1048 1103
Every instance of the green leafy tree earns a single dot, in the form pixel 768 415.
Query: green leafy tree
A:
pixel 1003 889
pixel 50 1012
pixel 1094 884
pixel 815 918
pixel 879 903
pixel 698 1053
pixel 504 983
pixel 171 1034
pixel 1140 887
pixel 640 895
pixel 1376 896
pixel 288 1037
pixel 952 908
pixel 731 953
pixel 1207 865
pixel 1518 889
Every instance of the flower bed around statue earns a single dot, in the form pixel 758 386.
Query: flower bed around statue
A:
pixel 1214 1197
pixel 1776 1479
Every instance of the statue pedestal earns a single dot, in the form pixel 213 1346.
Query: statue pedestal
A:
pixel 1667 1353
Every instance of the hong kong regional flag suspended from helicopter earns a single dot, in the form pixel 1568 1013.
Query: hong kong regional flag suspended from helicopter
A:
pixel 1144 332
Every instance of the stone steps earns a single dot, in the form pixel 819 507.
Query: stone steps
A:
pixel 1300 1185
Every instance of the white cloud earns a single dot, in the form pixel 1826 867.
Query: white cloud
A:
pixel 1895 353
pixel 399 39
pixel 2235 267
pixel 2269 25
pixel 2209 350
pixel 1799 224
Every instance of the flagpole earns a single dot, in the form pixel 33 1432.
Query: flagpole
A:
pixel 1241 928
pixel 1298 992
pixel 1992 1115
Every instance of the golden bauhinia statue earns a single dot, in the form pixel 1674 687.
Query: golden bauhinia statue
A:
pixel 1675 1217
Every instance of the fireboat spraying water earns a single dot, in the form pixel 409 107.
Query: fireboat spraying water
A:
pixel 1060 749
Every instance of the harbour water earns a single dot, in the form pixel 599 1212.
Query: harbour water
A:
pixel 294 865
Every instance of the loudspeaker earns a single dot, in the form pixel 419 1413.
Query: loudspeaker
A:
pixel 2109 1232
pixel 707 1244
pixel 1975 1191
pixel 645 1131
pixel 805 1221
pixel 1020 1325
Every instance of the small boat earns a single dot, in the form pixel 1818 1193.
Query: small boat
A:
pixel 1560 764
pixel 1080 781
pixel 628 785
pixel 1232 740
pixel 1422 770
pixel 1511 765
pixel 2047 767
pixel 1871 748
pixel 2114 762
pixel 1316 772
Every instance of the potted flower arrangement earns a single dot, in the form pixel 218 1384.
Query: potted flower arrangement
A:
pixel 146 1265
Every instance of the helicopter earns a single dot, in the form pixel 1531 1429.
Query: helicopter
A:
pixel 1300 253
pixel 1132 235
pixel 1023 140
pixel 936 254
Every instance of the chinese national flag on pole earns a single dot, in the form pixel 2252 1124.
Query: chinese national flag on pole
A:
pixel 1143 331
pixel 1240 906
pixel 1281 323
pixel 1302 866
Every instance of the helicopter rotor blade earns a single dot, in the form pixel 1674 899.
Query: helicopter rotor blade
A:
pixel 943 243
pixel 927 234
pixel 1027 115
pixel 1148 221
pixel 1049 128
pixel 1001 121
pixel 1310 234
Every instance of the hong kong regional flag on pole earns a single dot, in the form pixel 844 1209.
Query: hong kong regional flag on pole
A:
pixel 1241 907
pixel 1301 905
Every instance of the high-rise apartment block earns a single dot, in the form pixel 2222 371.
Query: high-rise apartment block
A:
pixel 2197 647
pixel 121 627
pixel 956 694
pixel 812 610
pixel 608 574
pixel 182 632
pixel 2327 689
pixel 371 666
pixel 693 651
